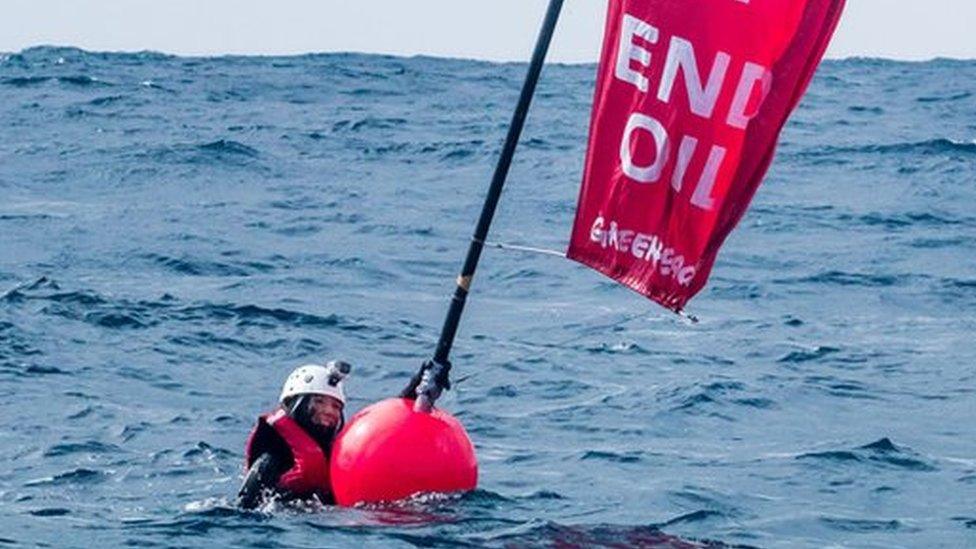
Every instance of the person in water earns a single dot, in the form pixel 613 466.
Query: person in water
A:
pixel 287 452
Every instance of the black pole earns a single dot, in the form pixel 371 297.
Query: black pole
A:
pixel 435 376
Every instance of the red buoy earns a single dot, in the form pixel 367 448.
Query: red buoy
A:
pixel 389 452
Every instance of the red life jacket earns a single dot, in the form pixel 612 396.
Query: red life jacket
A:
pixel 309 474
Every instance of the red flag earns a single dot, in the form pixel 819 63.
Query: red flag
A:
pixel 690 99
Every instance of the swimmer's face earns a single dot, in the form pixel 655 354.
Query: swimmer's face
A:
pixel 325 411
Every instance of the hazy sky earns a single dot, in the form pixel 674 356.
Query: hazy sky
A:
pixel 484 29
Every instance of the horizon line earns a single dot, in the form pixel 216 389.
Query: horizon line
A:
pixel 216 55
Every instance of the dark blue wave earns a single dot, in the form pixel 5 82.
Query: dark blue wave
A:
pixel 928 147
pixel 882 452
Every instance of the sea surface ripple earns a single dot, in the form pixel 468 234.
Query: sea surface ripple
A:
pixel 176 234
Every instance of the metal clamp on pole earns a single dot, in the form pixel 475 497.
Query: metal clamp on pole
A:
pixel 434 380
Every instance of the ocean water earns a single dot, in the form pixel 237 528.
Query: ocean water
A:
pixel 176 234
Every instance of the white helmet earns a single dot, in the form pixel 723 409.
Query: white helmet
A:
pixel 317 380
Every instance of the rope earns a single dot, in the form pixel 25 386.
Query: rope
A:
pixel 543 251
pixel 526 249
